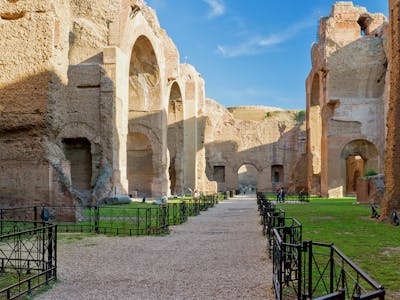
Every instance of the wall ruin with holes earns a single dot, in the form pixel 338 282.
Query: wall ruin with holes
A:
pixel 346 92
pixel 85 92
pixel 273 143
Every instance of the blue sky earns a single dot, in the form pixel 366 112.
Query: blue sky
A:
pixel 250 52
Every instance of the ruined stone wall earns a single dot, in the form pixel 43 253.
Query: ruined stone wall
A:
pixel 278 140
pixel 33 74
pixel 80 84
pixel 391 201
pixel 350 56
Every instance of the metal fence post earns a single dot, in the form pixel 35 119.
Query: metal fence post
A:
pixel 310 260
pixel 332 270
pixel 49 250
pixel 96 218
pixel 299 275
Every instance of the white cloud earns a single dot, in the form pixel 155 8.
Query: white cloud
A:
pixel 217 8
pixel 259 44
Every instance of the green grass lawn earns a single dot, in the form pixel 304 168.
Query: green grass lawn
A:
pixel 136 218
pixel 374 246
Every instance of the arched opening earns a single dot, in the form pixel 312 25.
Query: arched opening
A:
pixel 315 125
pixel 140 171
pixel 144 99
pixel 364 22
pixel 277 178
pixel 175 138
pixel 359 156
pixel 78 152
pixel 247 177
pixel 354 169
pixel 144 78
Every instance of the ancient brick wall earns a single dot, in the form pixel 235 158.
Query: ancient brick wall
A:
pixel 391 201
pixel 275 143
pixel 346 92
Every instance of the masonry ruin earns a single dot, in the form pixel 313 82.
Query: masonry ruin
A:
pixel 346 92
pixel 391 200
pixel 255 148
pixel 94 102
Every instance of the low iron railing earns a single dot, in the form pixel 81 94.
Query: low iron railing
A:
pixel 146 219
pixel 28 259
pixel 311 270
pixel 327 272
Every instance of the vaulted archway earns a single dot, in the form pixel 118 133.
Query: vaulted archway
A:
pixel 358 156
pixel 175 137
pixel 144 107
pixel 248 178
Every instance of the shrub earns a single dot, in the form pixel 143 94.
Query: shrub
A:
pixel 267 115
pixel 300 116
pixel 370 172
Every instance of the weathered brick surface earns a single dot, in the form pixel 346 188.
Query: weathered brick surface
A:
pixel 346 92
pixel 391 200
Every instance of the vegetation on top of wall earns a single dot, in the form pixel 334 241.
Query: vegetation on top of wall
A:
pixel 300 116
pixel 370 172
pixel 267 115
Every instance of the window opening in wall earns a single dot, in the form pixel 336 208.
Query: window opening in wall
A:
pixel 219 173
pixel 276 176
pixel 277 173
pixel 78 153
pixel 363 21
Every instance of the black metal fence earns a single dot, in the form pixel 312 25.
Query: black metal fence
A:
pixel 310 270
pixel 301 196
pixel 329 273
pixel 141 219
pixel 28 258
pixel 179 212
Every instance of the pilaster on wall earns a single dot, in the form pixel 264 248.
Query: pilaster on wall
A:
pixel 190 138
pixel 114 112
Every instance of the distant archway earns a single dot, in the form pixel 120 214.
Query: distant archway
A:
pixel 175 138
pixel 359 156
pixel 248 178
pixel 140 170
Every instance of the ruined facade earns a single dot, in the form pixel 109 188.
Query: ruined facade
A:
pixel 255 148
pixel 346 92
pixel 391 200
pixel 94 103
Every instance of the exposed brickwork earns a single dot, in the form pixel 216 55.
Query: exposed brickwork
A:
pixel 391 200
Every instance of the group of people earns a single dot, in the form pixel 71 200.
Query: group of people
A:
pixel 280 194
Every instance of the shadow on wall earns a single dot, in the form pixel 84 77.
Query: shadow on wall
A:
pixel 30 171
pixel 53 152
pixel 281 163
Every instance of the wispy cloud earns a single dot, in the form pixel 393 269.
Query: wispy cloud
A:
pixel 217 8
pixel 259 44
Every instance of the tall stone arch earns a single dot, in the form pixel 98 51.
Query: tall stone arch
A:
pixel 135 66
pixel 175 138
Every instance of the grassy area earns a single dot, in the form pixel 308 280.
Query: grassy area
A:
pixel 136 218
pixel 374 246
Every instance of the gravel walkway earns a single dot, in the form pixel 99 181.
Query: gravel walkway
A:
pixel 218 255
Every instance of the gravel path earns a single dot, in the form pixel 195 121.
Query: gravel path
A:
pixel 218 255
